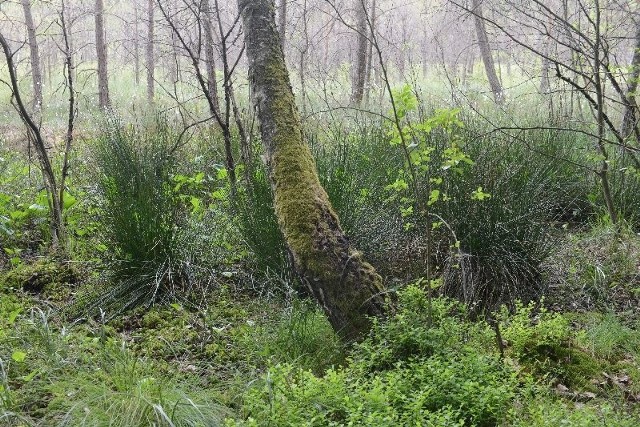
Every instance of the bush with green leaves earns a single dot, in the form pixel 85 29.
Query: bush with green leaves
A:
pixel 482 205
pixel 24 218
pixel 504 237
pixel 428 364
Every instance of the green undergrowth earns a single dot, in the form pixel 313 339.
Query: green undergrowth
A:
pixel 238 360
pixel 428 365
pixel 596 269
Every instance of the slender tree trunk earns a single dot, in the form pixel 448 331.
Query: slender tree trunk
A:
pixel 101 52
pixel 485 51
pixel 68 63
pixel 403 47
pixel 369 65
pixel 228 104
pixel 36 72
pixel 49 72
pixel 136 41
pixel 209 54
pixel 282 22
pixel 357 93
pixel 545 85
pixel 150 58
pixel 603 173
pixel 630 118
pixel 56 224
pixel 348 289
pixel 468 66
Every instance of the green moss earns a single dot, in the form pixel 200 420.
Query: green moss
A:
pixel 48 276
pixel 571 366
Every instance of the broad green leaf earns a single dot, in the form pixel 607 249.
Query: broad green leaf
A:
pixel 19 356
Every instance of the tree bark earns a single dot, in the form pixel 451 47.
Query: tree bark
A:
pixel 282 22
pixel 150 59
pixel 69 66
pixel 485 51
pixel 630 118
pixel 209 54
pixel 347 288
pixel 101 52
pixel 357 93
pixel 36 72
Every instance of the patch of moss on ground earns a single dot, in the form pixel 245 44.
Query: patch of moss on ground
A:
pixel 52 278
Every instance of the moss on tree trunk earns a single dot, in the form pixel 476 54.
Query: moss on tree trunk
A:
pixel 348 288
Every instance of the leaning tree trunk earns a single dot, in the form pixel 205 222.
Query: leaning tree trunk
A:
pixel 485 51
pixel 36 72
pixel 101 52
pixel 630 119
pixel 348 288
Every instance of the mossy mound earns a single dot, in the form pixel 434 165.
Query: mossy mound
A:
pixel 43 276
pixel 566 364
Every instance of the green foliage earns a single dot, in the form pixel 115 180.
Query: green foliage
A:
pixel 142 214
pixel 79 376
pixel 405 373
pixel 354 166
pixel 607 337
pixel 549 412
pixel 23 210
pixel 625 187
pixel 258 225
pixel 597 269
pixel 427 162
pixel 500 211
pixel 546 345
pixel 305 338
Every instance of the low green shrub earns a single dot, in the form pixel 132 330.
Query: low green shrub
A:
pixel 596 269
pixel 143 217
pixel 405 373
pixel 546 345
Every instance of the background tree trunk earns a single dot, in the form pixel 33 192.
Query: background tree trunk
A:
pixel 36 72
pixel 630 118
pixel 347 288
pixel 209 54
pixel 485 51
pixel 56 224
pixel 101 52
pixel 361 52
pixel 150 60
pixel 369 62
pixel 136 41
